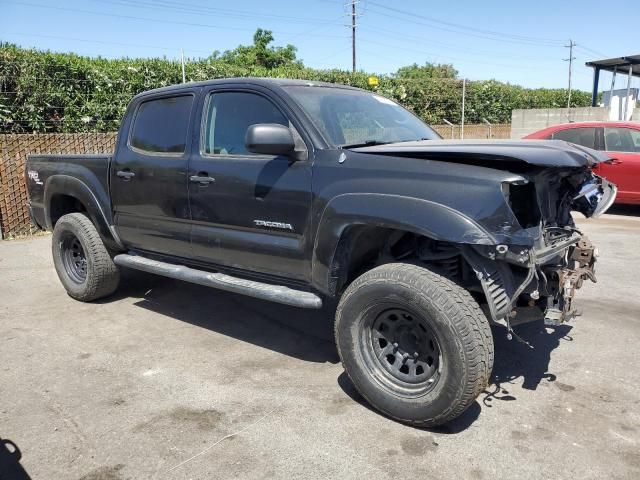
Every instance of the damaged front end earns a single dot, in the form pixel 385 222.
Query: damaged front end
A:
pixel 521 283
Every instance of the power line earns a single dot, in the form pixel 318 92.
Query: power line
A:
pixel 463 29
pixel 594 52
pixel 445 46
pixel 448 57
pixel 149 19
pixel 202 10
pixel 102 42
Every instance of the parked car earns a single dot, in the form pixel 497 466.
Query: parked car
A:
pixel 298 192
pixel 621 140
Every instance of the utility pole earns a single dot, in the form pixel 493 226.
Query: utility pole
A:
pixel 184 78
pixel 464 95
pixel 570 60
pixel 353 35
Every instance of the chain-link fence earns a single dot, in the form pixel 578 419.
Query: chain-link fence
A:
pixel 497 131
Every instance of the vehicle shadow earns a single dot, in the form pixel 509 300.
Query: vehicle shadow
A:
pixel 10 467
pixel 515 359
pixel 308 335
pixel 299 333
pixel 457 425
pixel 624 210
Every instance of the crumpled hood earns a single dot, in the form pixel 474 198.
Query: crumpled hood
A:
pixel 491 153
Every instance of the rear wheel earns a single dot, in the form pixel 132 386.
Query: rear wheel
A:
pixel 82 262
pixel 415 345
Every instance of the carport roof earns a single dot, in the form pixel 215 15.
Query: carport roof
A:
pixel 619 64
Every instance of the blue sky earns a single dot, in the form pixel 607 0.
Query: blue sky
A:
pixel 513 41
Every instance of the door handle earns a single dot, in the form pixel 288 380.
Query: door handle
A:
pixel 125 174
pixel 614 161
pixel 202 178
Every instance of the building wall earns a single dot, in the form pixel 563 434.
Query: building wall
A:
pixel 524 122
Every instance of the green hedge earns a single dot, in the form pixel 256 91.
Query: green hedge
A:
pixel 59 92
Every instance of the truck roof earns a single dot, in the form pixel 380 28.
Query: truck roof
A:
pixel 267 82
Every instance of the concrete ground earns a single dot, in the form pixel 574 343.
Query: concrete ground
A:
pixel 171 380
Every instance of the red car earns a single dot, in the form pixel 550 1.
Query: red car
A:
pixel 622 139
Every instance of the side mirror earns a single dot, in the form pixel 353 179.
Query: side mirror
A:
pixel 269 139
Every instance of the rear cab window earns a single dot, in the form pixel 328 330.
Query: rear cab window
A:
pixel 161 125
pixel 585 136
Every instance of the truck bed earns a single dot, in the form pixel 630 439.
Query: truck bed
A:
pixel 92 170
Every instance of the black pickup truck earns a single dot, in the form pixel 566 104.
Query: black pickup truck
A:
pixel 302 192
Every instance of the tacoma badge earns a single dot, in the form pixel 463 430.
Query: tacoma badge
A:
pixel 266 223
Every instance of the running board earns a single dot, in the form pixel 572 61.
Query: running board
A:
pixel 265 291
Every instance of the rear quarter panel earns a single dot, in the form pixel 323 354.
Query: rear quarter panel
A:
pixel 50 175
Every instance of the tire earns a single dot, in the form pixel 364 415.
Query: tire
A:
pixel 395 308
pixel 82 262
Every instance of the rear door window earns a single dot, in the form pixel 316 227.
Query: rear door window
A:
pixel 620 139
pixel 585 136
pixel 161 125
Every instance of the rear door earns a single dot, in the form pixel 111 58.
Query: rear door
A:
pixel 585 136
pixel 623 143
pixel 149 175
pixel 250 211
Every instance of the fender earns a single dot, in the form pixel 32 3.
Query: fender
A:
pixel 422 217
pixel 73 187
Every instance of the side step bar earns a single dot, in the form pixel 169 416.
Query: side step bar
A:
pixel 265 291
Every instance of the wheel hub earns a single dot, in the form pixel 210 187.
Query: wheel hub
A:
pixel 405 347
pixel 74 258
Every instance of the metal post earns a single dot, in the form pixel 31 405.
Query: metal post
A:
pixel 450 124
pixel 626 100
pixel 596 80
pixel 353 35
pixel 613 84
pixel 486 122
pixel 464 94
pixel 184 78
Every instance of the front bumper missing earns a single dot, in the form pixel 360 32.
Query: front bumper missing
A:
pixel 553 275
pixel 580 267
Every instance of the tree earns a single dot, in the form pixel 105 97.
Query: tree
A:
pixel 428 70
pixel 260 54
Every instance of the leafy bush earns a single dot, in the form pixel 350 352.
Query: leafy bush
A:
pixel 43 91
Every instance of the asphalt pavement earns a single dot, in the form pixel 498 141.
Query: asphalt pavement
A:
pixel 172 380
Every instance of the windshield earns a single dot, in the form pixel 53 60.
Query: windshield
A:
pixel 354 117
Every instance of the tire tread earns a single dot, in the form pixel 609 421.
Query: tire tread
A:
pixel 104 277
pixel 460 307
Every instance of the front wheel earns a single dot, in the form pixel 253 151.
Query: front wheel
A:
pixel 82 262
pixel 415 345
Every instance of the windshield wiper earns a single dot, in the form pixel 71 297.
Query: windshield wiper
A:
pixel 366 143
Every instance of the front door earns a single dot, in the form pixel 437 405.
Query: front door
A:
pixel 149 176
pixel 250 212
pixel 623 144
